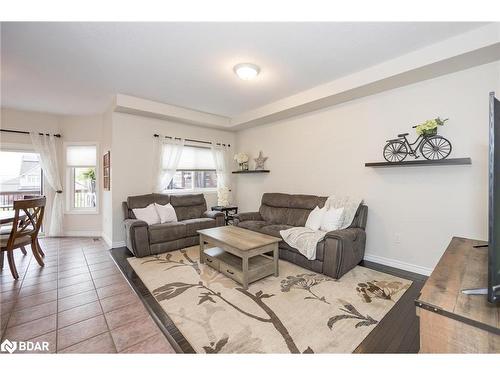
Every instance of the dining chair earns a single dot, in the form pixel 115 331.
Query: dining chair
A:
pixel 24 231
pixel 7 229
pixel 38 243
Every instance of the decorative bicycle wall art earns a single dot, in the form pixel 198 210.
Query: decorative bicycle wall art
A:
pixel 429 144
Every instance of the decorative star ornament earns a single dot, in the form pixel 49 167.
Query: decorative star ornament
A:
pixel 259 162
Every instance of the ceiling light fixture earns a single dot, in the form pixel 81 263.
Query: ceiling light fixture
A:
pixel 246 71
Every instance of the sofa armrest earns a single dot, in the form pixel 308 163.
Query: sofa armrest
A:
pixel 245 216
pixel 344 249
pixel 125 210
pixel 213 214
pixel 137 237
pixel 219 217
pixel 348 234
pixel 129 223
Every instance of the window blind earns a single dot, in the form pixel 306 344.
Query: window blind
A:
pixel 81 156
pixel 196 158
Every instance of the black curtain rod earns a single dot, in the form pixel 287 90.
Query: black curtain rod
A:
pixel 194 140
pixel 23 132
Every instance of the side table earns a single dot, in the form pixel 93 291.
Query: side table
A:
pixel 228 211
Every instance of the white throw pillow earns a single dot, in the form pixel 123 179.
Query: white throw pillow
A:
pixel 315 218
pixel 147 214
pixel 332 219
pixel 166 212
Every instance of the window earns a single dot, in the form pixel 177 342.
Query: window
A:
pixel 196 171
pixel 20 175
pixel 81 178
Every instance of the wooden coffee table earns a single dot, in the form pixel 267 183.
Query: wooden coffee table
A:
pixel 239 253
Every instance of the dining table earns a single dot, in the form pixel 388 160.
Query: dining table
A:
pixel 7 216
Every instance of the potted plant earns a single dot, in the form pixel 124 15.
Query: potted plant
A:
pixel 242 159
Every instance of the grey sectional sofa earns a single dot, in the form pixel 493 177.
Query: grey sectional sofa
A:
pixel 338 253
pixel 191 210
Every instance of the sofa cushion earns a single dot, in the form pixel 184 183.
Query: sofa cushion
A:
pixel 187 200
pixel 274 215
pixel 320 250
pixel 189 206
pixel 276 200
pixel 332 220
pixel 274 229
pixel 308 202
pixel 161 199
pixel 315 218
pixel 289 209
pixel 190 212
pixel 166 212
pixel 254 225
pixel 167 232
pixel 192 225
pixel 149 214
pixel 297 217
pixel 140 201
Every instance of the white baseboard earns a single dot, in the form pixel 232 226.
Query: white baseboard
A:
pixel 398 264
pixel 107 240
pixel 110 243
pixel 118 244
pixel 82 233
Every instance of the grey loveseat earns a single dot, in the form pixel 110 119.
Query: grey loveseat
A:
pixel 336 254
pixel 191 210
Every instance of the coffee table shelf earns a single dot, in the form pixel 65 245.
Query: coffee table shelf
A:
pixel 230 265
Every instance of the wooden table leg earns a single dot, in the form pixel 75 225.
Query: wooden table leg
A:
pixel 202 249
pixel 245 272
pixel 276 254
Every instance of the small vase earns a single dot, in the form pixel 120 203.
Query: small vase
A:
pixel 244 166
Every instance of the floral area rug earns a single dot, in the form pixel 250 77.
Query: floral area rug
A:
pixel 297 312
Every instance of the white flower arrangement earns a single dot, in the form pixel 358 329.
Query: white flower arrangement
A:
pixel 223 196
pixel 241 158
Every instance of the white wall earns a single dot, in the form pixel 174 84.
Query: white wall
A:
pixel 130 139
pixel 132 158
pixel 107 195
pixel 319 153
pixel 84 129
pixel 324 153
pixel 73 129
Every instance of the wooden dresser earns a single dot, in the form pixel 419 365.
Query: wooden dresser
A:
pixel 450 321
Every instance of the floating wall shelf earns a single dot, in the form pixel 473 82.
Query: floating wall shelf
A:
pixel 422 162
pixel 254 171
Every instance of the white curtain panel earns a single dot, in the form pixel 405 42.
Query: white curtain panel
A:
pixel 46 147
pixel 168 154
pixel 220 154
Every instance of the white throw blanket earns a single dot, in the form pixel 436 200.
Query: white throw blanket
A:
pixel 303 239
pixel 306 240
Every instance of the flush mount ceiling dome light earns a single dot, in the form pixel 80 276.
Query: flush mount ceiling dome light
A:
pixel 246 71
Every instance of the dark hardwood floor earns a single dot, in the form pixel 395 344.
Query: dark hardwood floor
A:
pixel 173 335
pixel 397 332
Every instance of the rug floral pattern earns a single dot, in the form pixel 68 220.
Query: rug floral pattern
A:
pixel 297 312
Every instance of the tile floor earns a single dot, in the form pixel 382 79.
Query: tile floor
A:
pixel 79 302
